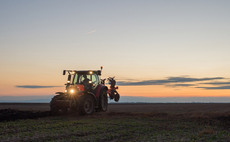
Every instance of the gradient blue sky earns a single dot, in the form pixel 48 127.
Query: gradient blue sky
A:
pixel 133 40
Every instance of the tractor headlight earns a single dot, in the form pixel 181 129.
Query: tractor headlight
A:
pixel 71 91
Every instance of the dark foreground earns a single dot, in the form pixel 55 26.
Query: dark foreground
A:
pixel 122 122
pixel 137 107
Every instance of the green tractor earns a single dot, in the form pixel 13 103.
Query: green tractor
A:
pixel 85 93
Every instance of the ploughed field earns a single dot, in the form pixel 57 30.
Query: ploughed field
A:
pixel 122 122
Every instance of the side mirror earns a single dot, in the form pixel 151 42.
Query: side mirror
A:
pixel 63 72
pixel 69 78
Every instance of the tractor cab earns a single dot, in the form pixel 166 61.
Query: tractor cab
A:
pixel 82 80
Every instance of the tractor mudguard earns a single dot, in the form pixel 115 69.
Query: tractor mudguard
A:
pixel 99 89
pixel 102 89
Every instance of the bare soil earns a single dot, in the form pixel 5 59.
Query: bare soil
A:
pixel 174 108
pixel 14 111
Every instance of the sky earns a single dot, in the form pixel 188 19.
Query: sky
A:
pixel 164 48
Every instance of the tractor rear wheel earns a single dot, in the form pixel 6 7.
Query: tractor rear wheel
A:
pixel 103 104
pixel 87 105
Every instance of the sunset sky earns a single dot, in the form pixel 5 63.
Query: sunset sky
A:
pixel 167 48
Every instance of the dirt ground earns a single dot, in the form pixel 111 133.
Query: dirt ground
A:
pixel 169 108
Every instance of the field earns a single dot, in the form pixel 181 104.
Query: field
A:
pixel 122 122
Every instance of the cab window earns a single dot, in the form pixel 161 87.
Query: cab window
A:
pixel 81 78
pixel 95 79
pixel 75 79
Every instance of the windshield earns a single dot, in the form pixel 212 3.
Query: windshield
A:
pixel 83 77
pixel 75 79
pixel 80 78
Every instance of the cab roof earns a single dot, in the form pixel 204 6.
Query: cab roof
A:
pixel 98 72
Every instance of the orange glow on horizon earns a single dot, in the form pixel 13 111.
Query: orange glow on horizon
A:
pixel 162 91
pixel 142 91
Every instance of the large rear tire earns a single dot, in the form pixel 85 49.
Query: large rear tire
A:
pixel 103 102
pixel 87 106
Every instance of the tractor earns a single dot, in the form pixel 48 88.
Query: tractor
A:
pixel 85 93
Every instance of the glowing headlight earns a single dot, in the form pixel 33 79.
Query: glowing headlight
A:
pixel 71 91
pixel 65 91
pixel 90 72
pixel 90 81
